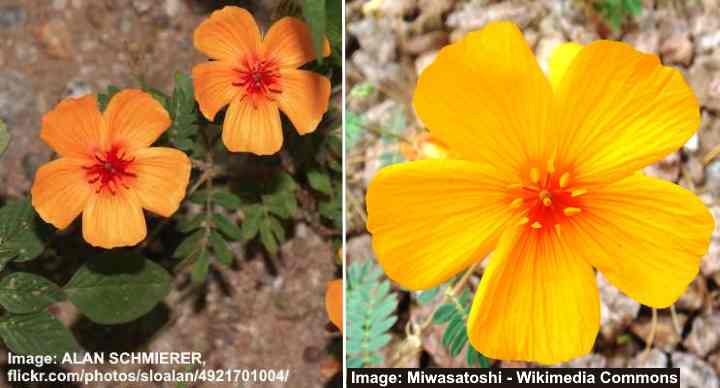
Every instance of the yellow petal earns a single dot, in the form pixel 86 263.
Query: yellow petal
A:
pixel 645 235
pixel 114 220
pixel 621 111
pixel 162 178
pixel 60 191
pixel 560 60
pixel 334 302
pixel 537 301
pixel 72 129
pixel 304 99
pixel 252 127
pixel 488 100
pixel 431 219
pixel 289 43
pixel 135 119
pixel 213 86
pixel 230 33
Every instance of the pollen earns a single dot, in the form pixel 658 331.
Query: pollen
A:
pixel 536 225
pixel 571 211
pixel 110 170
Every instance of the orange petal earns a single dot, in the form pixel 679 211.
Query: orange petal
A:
pixel 290 44
pixel 135 119
pixel 537 301
pixel 621 111
pixel 230 33
pixel 431 219
pixel 252 127
pixel 72 129
pixel 213 86
pixel 60 191
pixel 162 178
pixel 304 99
pixel 334 302
pixel 488 100
pixel 645 235
pixel 114 220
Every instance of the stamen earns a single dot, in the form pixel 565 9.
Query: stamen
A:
pixel 577 192
pixel 516 203
pixel 535 175
pixel 564 180
pixel 536 225
pixel 571 211
pixel 546 198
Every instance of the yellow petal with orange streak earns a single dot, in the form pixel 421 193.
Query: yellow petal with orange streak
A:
pixel 431 219
pixel 304 99
pixel 289 43
pixel 230 34
pixel 646 235
pixel 60 191
pixel 73 127
pixel 114 220
pixel 134 119
pixel 163 175
pixel 537 301
pixel 252 127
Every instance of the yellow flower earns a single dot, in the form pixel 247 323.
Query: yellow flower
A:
pixel 258 77
pixel 546 179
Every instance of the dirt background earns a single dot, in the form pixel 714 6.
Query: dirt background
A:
pixel 390 42
pixel 248 316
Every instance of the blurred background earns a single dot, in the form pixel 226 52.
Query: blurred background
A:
pixel 255 314
pixel 389 42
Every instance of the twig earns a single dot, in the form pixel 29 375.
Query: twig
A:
pixel 675 320
pixel 650 340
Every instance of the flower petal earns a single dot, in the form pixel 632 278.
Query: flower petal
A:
pixel 560 60
pixel 537 301
pixel 114 220
pixel 487 98
pixel 162 178
pixel 230 33
pixel 72 129
pixel 645 235
pixel 431 219
pixel 213 86
pixel 334 303
pixel 304 99
pixel 252 127
pixel 60 191
pixel 135 119
pixel 622 110
pixel 290 44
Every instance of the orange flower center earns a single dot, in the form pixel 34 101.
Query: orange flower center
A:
pixel 259 78
pixel 110 170
pixel 547 198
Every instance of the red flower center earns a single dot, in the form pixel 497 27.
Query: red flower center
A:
pixel 110 170
pixel 259 78
pixel 547 199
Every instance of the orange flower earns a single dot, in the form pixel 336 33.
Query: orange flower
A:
pixel 258 78
pixel 106 169
pixel 334 302
pixel 547 181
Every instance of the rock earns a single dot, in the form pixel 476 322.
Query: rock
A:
pixel 54 35
pixel 359 248
pixel 667 169
pixel 143 6
pixel 694 296
pixel 696 170
pixel 77 88
pixel 431 41
pixel 677 50
pixel 16 93
pixel 655 358
pixel 704 77
pixel 12 15
pixel 173 8
pixel 377 38
pixel 714 360
pixel 645 40
pixel 710 263
pixel 26 53
pixel 704 336
pixel 712 171
pixel 692 145
pixel 471 16
pixel 616 309
pixel 694 372
pixel 424 61
pixel 545 48
pixel 59 5
pixel 666 338
pixel 592 360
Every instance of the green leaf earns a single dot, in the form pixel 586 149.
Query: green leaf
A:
pixel 444 313
pixel 189 224
pixel 426 296
pixel 220 248
pixel 18 233
pixel 354 127
pixel 227 227
pixel 4 137
pixel 226 199
pixel 189 245
pixel 475 358
pixel 315 14
pixel 118 287
pixel 320 181
pixel 201 268
pixel 103 98
pixel 23 293
pixel 267 237
pixel 37 334
pixel 251 223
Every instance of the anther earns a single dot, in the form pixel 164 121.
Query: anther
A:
pixel 571 211
pixel 577 192
pixel 564 178
pixel 516 203
pixel 546 198
pixel 536 225
pixel 535 175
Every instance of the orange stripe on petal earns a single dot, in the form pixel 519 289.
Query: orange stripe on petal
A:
pixel 134 119
pixel 304 99
pixel 73 128
pixel 252 127
pixel 230 33
pixel 162 178
pixel 213 86
pixel 111 221
pixel 60 191
pixel 290 44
